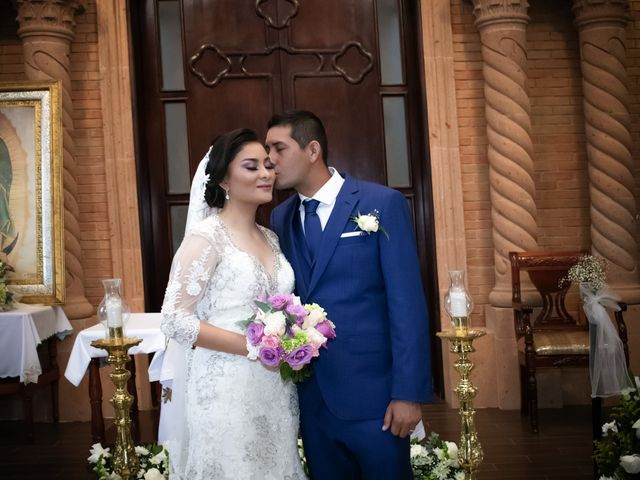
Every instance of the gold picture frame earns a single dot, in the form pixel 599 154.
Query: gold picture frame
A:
pixel 31 190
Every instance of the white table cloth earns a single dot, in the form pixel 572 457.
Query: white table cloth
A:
pixel 21 331
pixel 145 326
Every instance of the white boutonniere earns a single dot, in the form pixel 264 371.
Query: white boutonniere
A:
pixel 369 222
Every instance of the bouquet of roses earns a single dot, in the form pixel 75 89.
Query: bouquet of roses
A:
pixel 287 335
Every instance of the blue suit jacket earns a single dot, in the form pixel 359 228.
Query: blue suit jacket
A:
pixel 371 289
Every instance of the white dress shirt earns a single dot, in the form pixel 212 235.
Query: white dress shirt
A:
pixel 326 196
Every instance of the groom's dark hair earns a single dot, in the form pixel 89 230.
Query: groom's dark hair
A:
pixel 305 127
pixel 224 148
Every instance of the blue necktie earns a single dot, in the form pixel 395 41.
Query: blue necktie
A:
pixel 312 227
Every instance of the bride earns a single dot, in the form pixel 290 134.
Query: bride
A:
pixel 233 417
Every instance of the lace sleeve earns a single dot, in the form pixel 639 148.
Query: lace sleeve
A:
pixel 192 267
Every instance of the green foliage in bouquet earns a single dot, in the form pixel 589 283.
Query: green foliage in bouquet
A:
pixel 153 459
pixel 435 459
pixel 617 454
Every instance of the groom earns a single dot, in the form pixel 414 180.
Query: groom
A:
pixel 363 399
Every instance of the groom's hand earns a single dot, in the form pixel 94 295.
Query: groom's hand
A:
pixel 402 417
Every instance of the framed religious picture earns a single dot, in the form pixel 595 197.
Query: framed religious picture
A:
pixel 31 192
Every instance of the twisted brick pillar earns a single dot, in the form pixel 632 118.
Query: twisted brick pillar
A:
pixel 502 25
pixel 601 25
pixel 46 31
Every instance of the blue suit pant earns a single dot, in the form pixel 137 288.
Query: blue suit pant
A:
pixel 339 449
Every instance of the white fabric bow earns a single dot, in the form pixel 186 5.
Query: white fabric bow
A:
pixel 607 365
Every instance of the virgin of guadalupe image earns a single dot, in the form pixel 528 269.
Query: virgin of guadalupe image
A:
pixel 8 234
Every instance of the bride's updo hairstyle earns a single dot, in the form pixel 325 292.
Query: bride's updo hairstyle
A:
pixel 223 150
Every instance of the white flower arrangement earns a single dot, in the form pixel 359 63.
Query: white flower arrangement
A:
pixel 436 459
pixel 369 222
pixel 153 460
pixel 590 270
pixel 617 454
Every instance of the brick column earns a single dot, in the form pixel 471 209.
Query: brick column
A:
pixel 601 25
pixel 46 31
pixel 502 25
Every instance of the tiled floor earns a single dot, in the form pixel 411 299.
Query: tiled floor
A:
pixel 561 451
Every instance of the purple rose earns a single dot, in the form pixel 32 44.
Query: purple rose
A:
pixel 299 357
pixel 298 311
pixel 270 356
pixel 280 301
pixel 255 332
pixel 326 329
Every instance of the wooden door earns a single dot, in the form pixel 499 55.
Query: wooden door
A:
pixel 208 66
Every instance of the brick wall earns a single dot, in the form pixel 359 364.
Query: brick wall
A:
pixel 555 90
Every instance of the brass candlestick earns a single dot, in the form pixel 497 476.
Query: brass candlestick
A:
pixel 125 460
pixel 470 453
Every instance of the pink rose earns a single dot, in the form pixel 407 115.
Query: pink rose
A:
pixel 270 341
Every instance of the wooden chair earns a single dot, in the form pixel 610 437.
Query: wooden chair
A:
pixel 554 338
pixel 50 376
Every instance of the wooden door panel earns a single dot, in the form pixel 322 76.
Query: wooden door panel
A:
pixel 241 103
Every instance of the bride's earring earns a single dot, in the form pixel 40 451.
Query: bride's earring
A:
pixel 226 195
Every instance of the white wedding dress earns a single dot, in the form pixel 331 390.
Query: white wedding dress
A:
pixel 241 418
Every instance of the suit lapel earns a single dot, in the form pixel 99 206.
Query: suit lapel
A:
pixel 345 203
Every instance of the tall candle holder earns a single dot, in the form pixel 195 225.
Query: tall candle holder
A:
pixel 470 454
pixel 457 302
pixel 125 460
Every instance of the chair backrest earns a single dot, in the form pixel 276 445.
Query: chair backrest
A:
pixel 546 270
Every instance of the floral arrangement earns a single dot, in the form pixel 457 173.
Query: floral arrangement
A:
pixel 369 222
pixel 287 335
pixel 153 460
pixel 590 269
pixel 617 454
pixel 435 459
pixel 6 296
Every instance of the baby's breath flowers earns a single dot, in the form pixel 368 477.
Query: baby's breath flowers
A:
pixel 591 270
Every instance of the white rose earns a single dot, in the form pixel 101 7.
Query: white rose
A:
pixel 611 426
pixel 141 450
pixel 452 448
pixel 460 475
pixel 275 323
pixel 158 458
pixel 314 318
pixel 153 474
pixel 626 392
pixel 602 477
pixel 114 476
pixel 367 223
pixel 315 337
pixel 630 463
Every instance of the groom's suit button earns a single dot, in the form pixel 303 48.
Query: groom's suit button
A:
pixel 312 227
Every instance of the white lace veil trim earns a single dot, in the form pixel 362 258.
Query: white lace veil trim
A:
pixel 198 208
pixel 177 438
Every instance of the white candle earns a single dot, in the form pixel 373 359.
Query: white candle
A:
pixel 114 313
pixel 458 304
